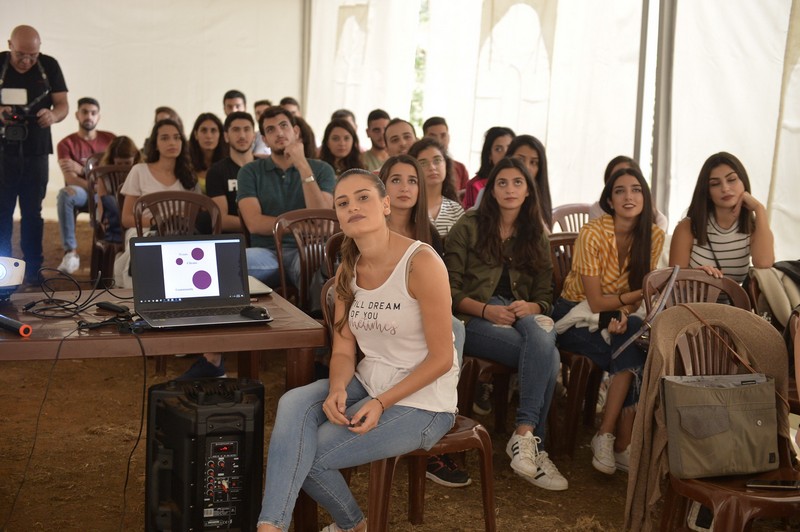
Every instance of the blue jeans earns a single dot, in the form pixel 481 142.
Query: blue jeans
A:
pixel 529 346
pixel 592 345
pixel 306 451
pixel 66 204
pixel 262 263
pixel 23 177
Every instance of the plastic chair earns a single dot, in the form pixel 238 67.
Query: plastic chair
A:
pixel 332 257
pixel 701 352
pixel 103 252
pixel 311 229
pixel 571 217
pixel 693 286
pixel 580 375
pixel 175 212
pixel 466 434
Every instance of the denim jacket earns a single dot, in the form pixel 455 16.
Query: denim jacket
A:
pixel 471 276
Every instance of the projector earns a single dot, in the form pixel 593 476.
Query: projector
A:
pixel 12 272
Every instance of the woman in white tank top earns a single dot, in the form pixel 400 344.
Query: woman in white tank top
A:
pixel 392 301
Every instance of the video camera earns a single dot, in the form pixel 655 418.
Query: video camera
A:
pixel 15 123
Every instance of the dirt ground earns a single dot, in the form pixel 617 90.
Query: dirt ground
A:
pixel 85 418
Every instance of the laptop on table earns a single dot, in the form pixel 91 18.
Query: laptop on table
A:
pixel 196 280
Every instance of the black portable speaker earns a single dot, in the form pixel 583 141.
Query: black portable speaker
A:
pixel 205 449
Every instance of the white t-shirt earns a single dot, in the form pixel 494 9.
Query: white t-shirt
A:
pixel 141 181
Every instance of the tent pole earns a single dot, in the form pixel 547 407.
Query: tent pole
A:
pixel 662 124
pixel 637 135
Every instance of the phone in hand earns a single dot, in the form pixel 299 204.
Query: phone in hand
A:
pixel 774 484
pixel 606 316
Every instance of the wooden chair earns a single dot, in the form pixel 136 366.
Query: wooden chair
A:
pixel 693 286
pixel 570 217
pixel 701 352
pixel 103 251
pixel 175 213
pixel 466 434
pixel 311 229
pixel 580 375
pixel 332 257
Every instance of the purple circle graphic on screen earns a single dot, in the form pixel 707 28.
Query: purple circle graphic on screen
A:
pixel 197 253
pixel 201 279
pixel 179 261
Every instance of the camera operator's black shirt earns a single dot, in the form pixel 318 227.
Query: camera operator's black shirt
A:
pixel 39 141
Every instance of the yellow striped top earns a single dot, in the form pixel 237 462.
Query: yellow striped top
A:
pixel 596 256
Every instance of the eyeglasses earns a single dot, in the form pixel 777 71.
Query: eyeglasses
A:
pixel 436 161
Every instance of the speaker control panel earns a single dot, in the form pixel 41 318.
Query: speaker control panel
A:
pixel 223 481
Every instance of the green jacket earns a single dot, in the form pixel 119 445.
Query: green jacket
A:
pixel 471 276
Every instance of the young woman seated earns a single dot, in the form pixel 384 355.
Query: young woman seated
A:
pixel 443 207
pixel 498 260
pixel 612 255
pixel 393 303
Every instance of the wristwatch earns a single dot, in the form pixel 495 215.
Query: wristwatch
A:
pixel 309 179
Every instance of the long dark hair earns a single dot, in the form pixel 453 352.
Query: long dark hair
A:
pixel 196 155
pixel 353 159
pixel 528 225
pixel 541 179
pixel 183 170
pixel 492 134
pixel 420 222
pixel 308 137
pixel 641 246
pixel 619 159
pixel 702 205
pixel 349 250
pixel 449 183
pixel 121 147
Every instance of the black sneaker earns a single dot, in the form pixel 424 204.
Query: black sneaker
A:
pixel 442 470
pixel 482 404
pixel 203 369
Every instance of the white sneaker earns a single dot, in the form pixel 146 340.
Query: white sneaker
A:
pixel 534 465
pixel 333 528
pixel 623 459
pixel 603 451
pixel 70 263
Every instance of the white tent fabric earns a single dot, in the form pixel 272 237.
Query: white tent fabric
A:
pixel 566 71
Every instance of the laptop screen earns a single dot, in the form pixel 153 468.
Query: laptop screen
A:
pixel 185 271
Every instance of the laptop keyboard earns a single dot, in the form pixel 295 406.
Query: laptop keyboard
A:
pixel 193 313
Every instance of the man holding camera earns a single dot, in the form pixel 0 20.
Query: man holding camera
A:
pixel 33 96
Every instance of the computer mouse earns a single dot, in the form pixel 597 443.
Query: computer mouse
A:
pixel 255 313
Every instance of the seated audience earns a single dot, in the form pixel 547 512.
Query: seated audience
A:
pixel 233 101
pixel 260 106
pixel 121 151
pixel 612 255
pixel 617 163
pixel 498 260
pixel 206 146
pixel 725 225
pixel 495 144
pixel 399 136
pixel 530 151
pixel 162 113
pixel 443 206
pixel 284 181
pixel 436 128
pixel 340 147
pixel 291 105
pixel 308 138
pixel 401 175
pixel 221 181
pixel 400 397
pixel 345 114
pixel 73 152
pixel 376 125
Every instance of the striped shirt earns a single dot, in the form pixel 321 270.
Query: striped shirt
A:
pixel 596 256
pixel 449 213
pixel 731 248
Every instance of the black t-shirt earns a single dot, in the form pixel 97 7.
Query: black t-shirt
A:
pixel 39 141
pixel 221 181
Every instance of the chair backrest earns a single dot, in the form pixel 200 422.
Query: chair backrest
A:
pixel 332 247
pixel 562 248
pixel 327 300
pixel 175 212
pixel 571 217
pixel 311 229
pixel 702 352
pixel 693 286
pixel 91 162
pixel 112 177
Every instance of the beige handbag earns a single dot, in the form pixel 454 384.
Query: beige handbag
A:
pixel 720 424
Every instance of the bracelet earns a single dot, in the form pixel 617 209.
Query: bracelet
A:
pixel 619 296
pixel 483 312
pixel 383 409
